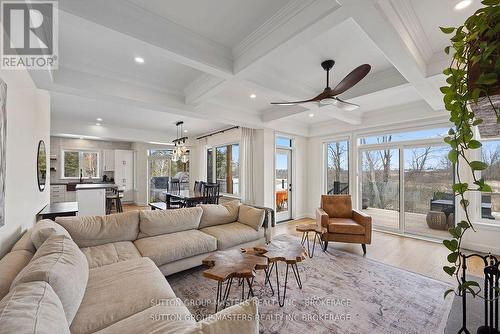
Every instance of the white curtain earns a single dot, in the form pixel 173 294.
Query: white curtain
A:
pixel 246 166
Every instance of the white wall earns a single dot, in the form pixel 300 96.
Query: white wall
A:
pixel 28 121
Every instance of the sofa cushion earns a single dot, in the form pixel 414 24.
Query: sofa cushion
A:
pixel 217 214
pixel 345 226
pixel 240 318
pixel 157 222
pixel 118 291
pixel 32 308
pixel 102 255
pixel 251 216
pixel 10 265
pixel 230 235
pixel 337 206
pixel 25 243
pixel 167 248
pixel 60 263
pixel 168 317
pixel 44 229
pixel 90 231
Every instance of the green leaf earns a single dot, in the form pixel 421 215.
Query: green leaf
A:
pixel 445 89
pixel 473 144
pixel 449 270
pixel 454 233
pixel 452 245
pixel 477 122
pixel 487 79
pixel 478 165
pixel 447 292
pixel 447 30
pixel 463 224
pixel 460 187
pixel 490 2
pixel 453 156
pixel 452 258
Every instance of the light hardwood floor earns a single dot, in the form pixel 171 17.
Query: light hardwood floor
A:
pixel 420 256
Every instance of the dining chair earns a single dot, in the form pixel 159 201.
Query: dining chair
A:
pixel 175 188
pixel 198 186
pixel 211 193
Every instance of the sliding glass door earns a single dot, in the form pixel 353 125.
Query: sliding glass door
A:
pixel 407 187
pixel 428 195
pixel 380 184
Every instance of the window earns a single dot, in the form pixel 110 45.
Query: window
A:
pixel 225 168
pixel 337 168
pixel 405 136
pixel 161 169
pixel 490 202
pixel 283 142
pixel 80 163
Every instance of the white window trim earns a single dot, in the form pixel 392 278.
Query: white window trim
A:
pixel 214 169
pixel 475 197
pixel 80 151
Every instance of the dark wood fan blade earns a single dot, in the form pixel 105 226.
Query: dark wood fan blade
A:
pixel 286 103
pixel 351 79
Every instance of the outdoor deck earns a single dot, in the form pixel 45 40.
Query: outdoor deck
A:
pixel 415 223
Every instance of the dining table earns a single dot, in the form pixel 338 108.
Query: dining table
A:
pixel 189 197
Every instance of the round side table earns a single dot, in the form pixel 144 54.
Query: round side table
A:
pixel 313 228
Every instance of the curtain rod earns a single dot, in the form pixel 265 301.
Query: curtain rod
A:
pixel 217 132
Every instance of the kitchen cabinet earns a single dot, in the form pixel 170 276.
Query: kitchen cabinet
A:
pixel 124 173
pixel 57 193
pixel 108 160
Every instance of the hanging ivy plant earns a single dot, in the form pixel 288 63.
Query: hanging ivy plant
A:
pixel 473 75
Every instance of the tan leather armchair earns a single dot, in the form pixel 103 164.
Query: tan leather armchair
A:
pixel 342 223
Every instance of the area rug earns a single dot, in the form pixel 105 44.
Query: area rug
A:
pixel 342 293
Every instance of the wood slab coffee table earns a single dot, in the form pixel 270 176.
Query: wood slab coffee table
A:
pixel 226 265
pixel 283 249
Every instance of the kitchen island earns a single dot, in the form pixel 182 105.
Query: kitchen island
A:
pixel 91 198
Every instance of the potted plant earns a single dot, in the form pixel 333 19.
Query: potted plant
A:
pixel 472 78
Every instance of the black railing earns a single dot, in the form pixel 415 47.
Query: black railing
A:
pixel 339 188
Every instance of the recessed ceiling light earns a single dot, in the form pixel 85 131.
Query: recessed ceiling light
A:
pixel 139 60
pixel 99 119
pixel 311 115
pixel 185 131
pixel 462 4
pixel 98 124
pixel 253 96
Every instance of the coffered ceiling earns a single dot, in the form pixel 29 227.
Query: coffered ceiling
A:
pixel 203 60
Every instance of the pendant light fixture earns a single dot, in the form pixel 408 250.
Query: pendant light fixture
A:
pixel 180 151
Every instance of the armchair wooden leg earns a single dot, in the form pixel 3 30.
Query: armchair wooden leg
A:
pixel 364 248
pixel 325 245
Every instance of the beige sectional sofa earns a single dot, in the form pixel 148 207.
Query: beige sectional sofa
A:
pixel 106 274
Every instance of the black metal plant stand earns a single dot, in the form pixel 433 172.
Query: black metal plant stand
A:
pixel 491 294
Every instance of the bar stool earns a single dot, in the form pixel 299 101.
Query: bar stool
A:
pixel 114 196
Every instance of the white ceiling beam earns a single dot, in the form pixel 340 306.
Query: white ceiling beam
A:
pixel 383 25
pixel 181 44
pixel 203 88
pixel 61 127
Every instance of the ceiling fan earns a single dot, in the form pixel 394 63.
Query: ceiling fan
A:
pixel 329 96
